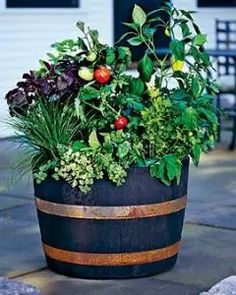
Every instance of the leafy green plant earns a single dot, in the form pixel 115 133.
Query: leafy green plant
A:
pixel 86 118
pixel 45 130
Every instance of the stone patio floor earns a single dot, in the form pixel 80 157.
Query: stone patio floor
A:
pixel 209 240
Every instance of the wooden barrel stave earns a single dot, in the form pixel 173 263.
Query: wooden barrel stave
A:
pixel 108 236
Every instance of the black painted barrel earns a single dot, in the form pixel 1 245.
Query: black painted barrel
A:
pixel 112 232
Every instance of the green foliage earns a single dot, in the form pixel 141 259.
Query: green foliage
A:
pixel 168 169
pixel 199 39
pixel 169 105
pixel 93 140
pixel 78 145
pixel 139 16
pixel 132 101
pixel 177 49
pixel 137 86
pixel 189 118
pixel 196 152
pixel 110 56
pixel 116 173
pixel 135 41
pixel 79 169
pixel 46 128
pixel 146 68
pixel 88 93
pixel 123 149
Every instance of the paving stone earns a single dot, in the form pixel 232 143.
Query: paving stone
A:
pixel 12 287
pixel 212 191
pixel 214 181
pixel 11 181
pixel 15 185
pixel 51 283
pixel 212 214
pixel 10 153
pixel 225 287
pixel 7 202
pixel 20 246
pixel 207 256
pixel 26 213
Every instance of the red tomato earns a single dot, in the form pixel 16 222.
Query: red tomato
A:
pixel 120 123
pixel 102 75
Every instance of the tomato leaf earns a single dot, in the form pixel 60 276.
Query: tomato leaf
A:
pixel 87 93
pixel 110 56
pixel 124 53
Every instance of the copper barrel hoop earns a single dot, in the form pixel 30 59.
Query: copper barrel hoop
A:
pixel 112 259
pixel 111 212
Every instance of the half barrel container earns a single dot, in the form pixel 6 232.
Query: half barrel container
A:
pixel 133 230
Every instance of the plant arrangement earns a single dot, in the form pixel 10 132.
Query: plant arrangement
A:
pixel 85 117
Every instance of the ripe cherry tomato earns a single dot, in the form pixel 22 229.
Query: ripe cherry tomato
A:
pixel 102 75
pixel 120 123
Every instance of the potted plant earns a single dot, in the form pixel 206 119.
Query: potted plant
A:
pixel 110 151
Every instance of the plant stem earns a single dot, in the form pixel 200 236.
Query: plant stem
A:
pixel 92 106
pixel 111 108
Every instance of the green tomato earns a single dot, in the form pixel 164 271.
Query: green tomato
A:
pixel 91 56
pixel 86 74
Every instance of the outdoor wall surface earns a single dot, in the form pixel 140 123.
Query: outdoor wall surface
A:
pixel 25 36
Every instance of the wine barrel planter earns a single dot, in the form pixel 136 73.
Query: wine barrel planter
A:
pixel 112 232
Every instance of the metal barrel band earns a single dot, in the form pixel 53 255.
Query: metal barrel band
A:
pixel 111 212
pixel 111 259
